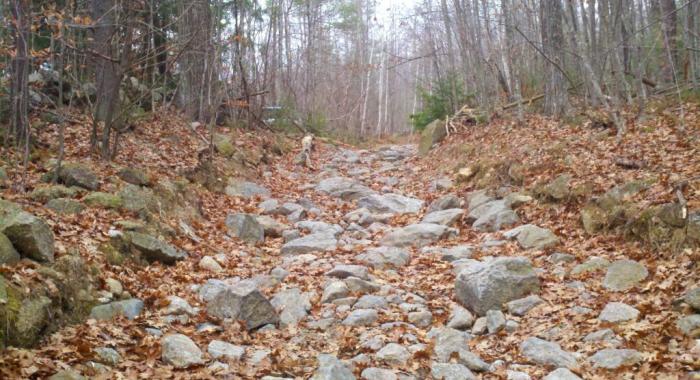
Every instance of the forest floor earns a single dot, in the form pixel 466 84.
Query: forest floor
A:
pixel 388 322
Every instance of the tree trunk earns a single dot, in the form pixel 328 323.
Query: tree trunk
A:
pixel 556 99
pixel 19 90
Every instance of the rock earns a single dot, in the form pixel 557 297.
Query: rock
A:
pixel 180 351
pixel 309 244
pixel 385 257
pixel 512 326
pixel 289 235
pixel 390 203
pixel 394 354
pixel 559 257
pixel 492 216
pixel 103 200
pixel 478 198
pixel 445 202
pixel 30 236
pixel 114 286
pixel 692 298
pixel 72 174
pixel 450 371
pixel 431 135
pixel 489 285
pixel 245 189
pixel 65 206
pixel 445 217
pixel 690 325
pixel 616 312
pixel 449 341
pixel 67 374
pixel 460 318
pixel 473 361
pixel 154 249
pixel 335 290
pixel 515 200
pixel 346 270
pixel 417 234
pixel 271 227
pixel 220 349
pixel 624 274
pixel 140 199
pixel 369 301
pixel 292 305
pixel 495 321
pixel 521 306
pixel 593 218
pixel 673 214
pixel 531 236
pixel 374 373
pixel 591 265
pixel 361 286
pixel 209 264
pixel 443 183
pixel 8 254
pixel 561 374
pixel 517 375
pixel 320 228
pixel 245 227
pixel 107 355
pixel 245 302
pixel 134 176
pixel 130 309
pixel 611 358
pixel 344 188
pixel 177 306
pixel 605 335
pixel 420 318
pixel 330 368
pixel 547 353
pixel 47 193
pixel 558 189
pixel 361 317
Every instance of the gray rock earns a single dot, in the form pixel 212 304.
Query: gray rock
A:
pixel 480 327
pixel 72 174
pixel 417 235
pixel 559 257
pixel 67 374
pixel 330 368
pixel 478 198
pixel 8 254
pixel 561 374
pixel 30 236
pixel 134 176
pixel 492 216
pixel 611 358
pixel 108 356
pixel 531 236
pixel 154 249
pixel 420 318
pixel 394 354
pixel 489 285
pixel 177 305
pixel 292 305
pixel 473 361
pixel 515 200
pixel 335 290
pixel 547 353
pixel 446 217
pixel 369 301
pixel 348 270
pixel 343 188
pixel 271 227
pixel 495 321
pixel 210 264
pixel 180 351
pixel 521 306
pixel 310 244
pixel 517 375
pixel 445 202
pixel 512 326
pixel 374 373
pixel 130 308
pixel 449 341
pixel 385 257
pixel 624 275
pixel 319 228
pixel 220 349
pixel 390 203
pixel 361 317
pixel 591 265
pixel 245 189
pixel 690 325
pixel 245 227
pixel 243 301
pixel 65 206
pixel 361 286
pixel 450 371
pixel 692 298
pixel 460 318
pixel 616 312
pixel 605 335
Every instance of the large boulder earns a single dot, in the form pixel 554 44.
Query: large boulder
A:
pixel 390 203
pixel 243 301
pixel 154 249
pixel 419 235
pixel 292 305
pixel 245 227
pixel 8 253
pixel 431 135
pixel 73 174
pixel 344 188
pixel 30 236
pixel 531 236
pixel 485 286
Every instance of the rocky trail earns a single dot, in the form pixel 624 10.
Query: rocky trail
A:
pixel 363 267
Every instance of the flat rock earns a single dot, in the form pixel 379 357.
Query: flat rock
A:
pixel 591 265
pixel 243 301
pixel 446 217
pixel 611 358
pixel 385 257
pixel 245 227
pixel 394 354
pixel 208 263
pixel 547 353
pixel 330 368
pixel 445 202
pixel 374 373
pixel 450 371
pixel 220 349
pixel 390 203
pixel 154 249
pixel 30 236
pixel 72 174
pixel 561 374
pixel 130 308
pixel 245 189
pixel 292 305
pixel 349 270
pixel 449 341
pixel 521 306
pixel 343 188
pixel 370 301
pixel 616 312
pixel 419 235
pixel 361 317
pixel 487 286
pixel 624 274
pixel 65 206
pixel 335 290
pixel 318 228
pixel 180 351
pixel 531 236
pixel 492 216
pixel 271 227
pixel 310 244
